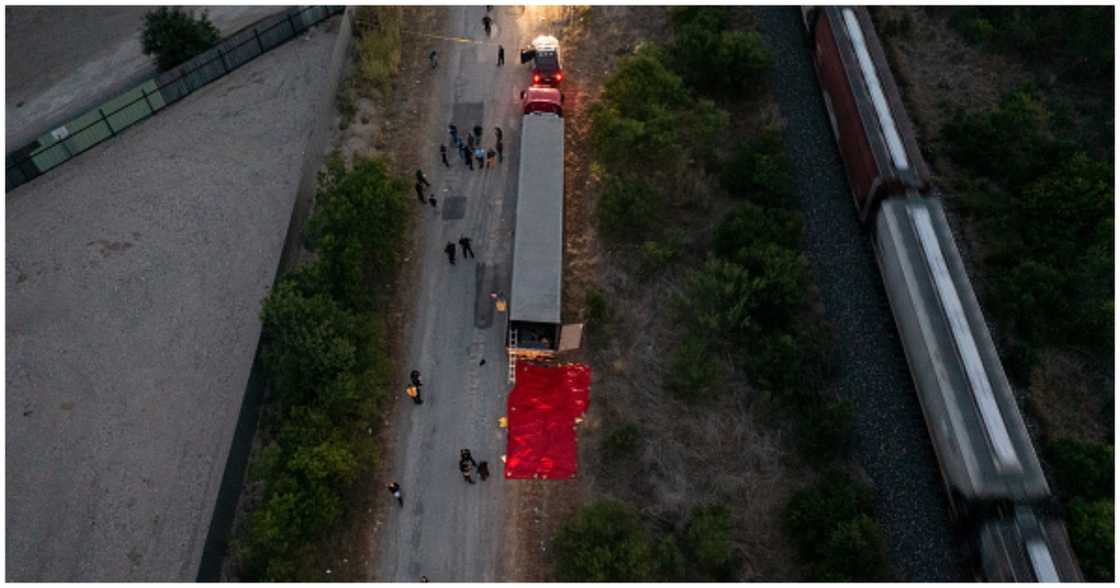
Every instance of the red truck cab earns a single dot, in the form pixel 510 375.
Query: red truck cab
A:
pixel 542 99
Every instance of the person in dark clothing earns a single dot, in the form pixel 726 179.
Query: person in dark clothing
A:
pixel 465 463
pixel 501 56
pixel 413 392
pixel 414 376
pixel 499 148
pixel 420 179
pixel 470 160
pixel 432 201
pixel 432 57
pixel 465 243
pixel 470 142
pixel 486 22
pixel 395 490
pixel 484 470
pixel 490 153
pixel 478 134
pixel 498 133
pixel 454 130
pixel 464 153
pixel 443 154
pixel 420 192
pixel 450 251
pixel 480 155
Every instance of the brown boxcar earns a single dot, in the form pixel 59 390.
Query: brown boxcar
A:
pixel 875 136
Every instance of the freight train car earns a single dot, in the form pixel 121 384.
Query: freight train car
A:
pixel 875 136
pixel 988 463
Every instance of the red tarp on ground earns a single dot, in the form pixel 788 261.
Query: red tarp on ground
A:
pixel 543 407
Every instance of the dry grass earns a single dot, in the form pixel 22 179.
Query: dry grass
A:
pixel 1064 391
pixel 729 451
pixel 379 48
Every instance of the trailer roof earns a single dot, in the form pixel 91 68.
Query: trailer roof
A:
pixel 538 244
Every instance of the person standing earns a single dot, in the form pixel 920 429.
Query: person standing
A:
pixel 499 148
pixel 450 251
pixel 464 154
pixel 443 154
pixel 465 464
pixel 470 142
pixel 432 57
pixel 420 192
pixel 480 155
pixel 501 56
pixel 486 22
pixel 478 134
pixel 420 179
pixel 498 133
pixel 454 130
pixel 413 392
pixel 414 376
pixel 395 490
pixel 432 200
pixel 490 153
pixel 465 243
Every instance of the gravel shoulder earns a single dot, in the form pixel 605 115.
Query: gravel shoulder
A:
pixel 891 439
pixel 135 275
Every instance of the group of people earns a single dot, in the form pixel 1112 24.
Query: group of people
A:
pixel 471 149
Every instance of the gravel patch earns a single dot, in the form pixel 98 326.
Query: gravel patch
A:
pixel 892 443
pixel 135 274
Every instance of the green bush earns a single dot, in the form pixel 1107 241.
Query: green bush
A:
pixel 670 561
pixel 605 542
pixel 628 209
pixel 1010 143
pixel 695 371
pixel 749 224
pixel 358 228
pixel 760 171
pixel 174 35
pixel 597 318
pixel 326 361
pixel 721 301
pixel 1092 528
pixel 657 255
pixel 715 60
pixel 622 443
pixel 1076 41
pixel 832 526
pixel 708 541
pixel 307 343
pixel 824 431
pixel 1082 469
pixel 856 552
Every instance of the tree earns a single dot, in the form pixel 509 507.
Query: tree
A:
pixel 605 542
pixel 749 224
pixel 307 342
pixel 1092 531
pixel 832 526
pixel 628 208
pixel 359 223
pixel 174 36
pixel 760 170
pixel 695 372
pixel 708 537
pixel 1082 469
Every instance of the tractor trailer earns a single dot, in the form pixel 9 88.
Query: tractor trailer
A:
pixel 538 244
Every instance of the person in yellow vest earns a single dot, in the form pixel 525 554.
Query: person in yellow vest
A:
pixel 414 393
pixel 499 301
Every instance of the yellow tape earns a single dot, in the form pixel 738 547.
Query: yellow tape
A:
pixel 452 39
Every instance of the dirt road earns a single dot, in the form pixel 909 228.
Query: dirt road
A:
pixel 449 530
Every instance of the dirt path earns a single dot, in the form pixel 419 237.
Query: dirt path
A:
pixel 448 530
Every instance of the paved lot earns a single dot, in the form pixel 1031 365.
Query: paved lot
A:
pixel 63 60
pixel 134 279
pixel 448 530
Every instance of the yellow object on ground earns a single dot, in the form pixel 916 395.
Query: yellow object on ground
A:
pixel 503 422
pixel 412 391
